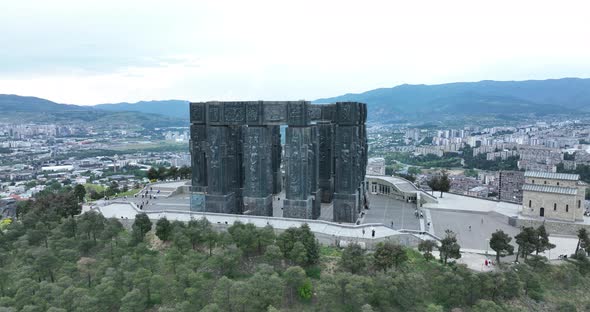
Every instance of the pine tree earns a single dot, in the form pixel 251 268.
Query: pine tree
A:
pixel 449 248
pixel 500 243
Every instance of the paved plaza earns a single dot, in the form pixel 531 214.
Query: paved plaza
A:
pixel 384 209
pixel 482 226
pixel 484 217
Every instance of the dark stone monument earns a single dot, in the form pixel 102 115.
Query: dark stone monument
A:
pixel 236 157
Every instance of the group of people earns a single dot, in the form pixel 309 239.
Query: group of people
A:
pixel 146 196
pixel 372 232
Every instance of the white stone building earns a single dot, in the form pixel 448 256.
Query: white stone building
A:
pixel 376 166
pixel 558 196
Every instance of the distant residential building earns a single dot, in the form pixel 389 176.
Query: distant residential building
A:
pixel 503 155
pixel 478 191
pixel 510 186
pixel 493 148
pixel 432 150
pixel 558 196
pixel 539 159
pixel 528 165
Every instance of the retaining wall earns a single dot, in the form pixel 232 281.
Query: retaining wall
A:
pixel 554 227
pixel 327 233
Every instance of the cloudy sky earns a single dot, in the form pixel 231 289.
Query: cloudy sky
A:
pixel 90 52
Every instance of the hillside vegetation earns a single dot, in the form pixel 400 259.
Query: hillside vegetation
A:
pixel 52 260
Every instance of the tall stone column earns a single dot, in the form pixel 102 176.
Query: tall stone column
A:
pixel 314 164
pixel 299 202
pixel 345 188
pixel 326 160
pixel 349 162
pixel 198 148
pixel 220 197
pixel 258 178
pixel 277 178
pixel 234 165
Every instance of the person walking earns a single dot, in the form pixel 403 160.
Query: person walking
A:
pixel 363 232
pixel 470 228
pixel 373 232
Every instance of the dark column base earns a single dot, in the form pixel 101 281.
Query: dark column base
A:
pixel 300 209
pixel 277 182
pixel 317 204
pixel 327 187
pixel 221 203
pixel 239 200
pixel 258 206
pixel 197 202
pixel 345 207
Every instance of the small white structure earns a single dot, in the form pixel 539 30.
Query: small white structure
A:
pixel 376 166
pixel 63 168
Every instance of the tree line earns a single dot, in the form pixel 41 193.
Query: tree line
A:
pixel 53 259
pixel 173 172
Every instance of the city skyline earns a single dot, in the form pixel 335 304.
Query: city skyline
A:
pixel 132 51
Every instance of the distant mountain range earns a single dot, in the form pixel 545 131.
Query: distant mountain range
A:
pixel 171 108
pixel 567 95
pixel 14 108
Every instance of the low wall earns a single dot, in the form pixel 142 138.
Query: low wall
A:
pixel 185 189
pixel 327 233
pixel 554 227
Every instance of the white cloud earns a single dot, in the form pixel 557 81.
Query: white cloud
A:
pixel 91 52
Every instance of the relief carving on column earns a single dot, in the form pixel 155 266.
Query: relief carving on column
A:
pixel 252 112
pixel 234 112
pixel 197 112
pixel 295 159
pixel 275 112
pixel 214 112
pixel 345 113
pixel 315 112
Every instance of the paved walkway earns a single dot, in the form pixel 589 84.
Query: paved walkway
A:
pixel 386 210
pixel 122 210
pixel 482 226
pixel 445 215
pixel 465 203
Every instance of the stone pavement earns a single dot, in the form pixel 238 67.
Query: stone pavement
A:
pixel 384 209
pixel 459 222
pixel 123 210
pixel 465 203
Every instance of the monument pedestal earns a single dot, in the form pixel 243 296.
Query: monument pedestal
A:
pixel 327 187
pixel 221 203
pixel 258 206
pixel 317 204
pixel 345 207
pixel 297 208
